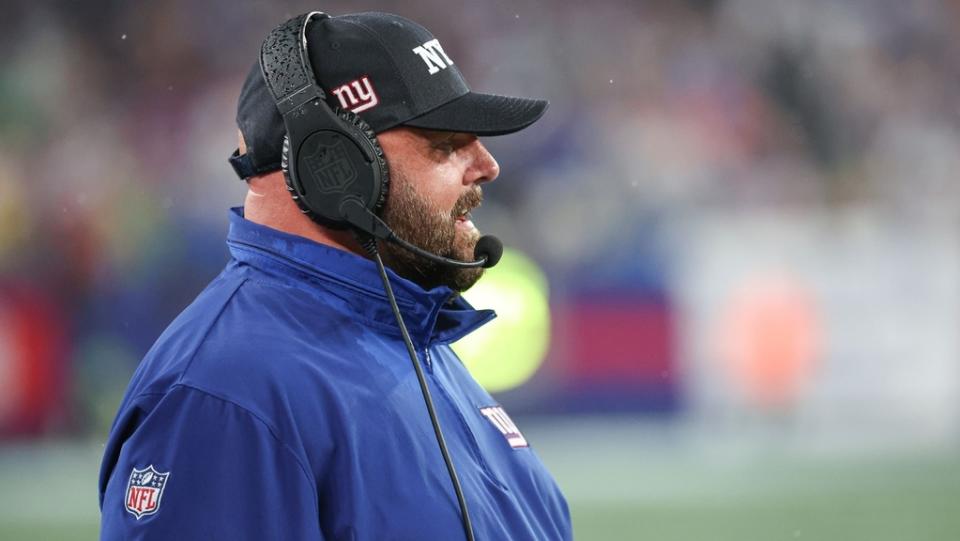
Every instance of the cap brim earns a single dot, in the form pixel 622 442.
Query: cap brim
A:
pixel 482 114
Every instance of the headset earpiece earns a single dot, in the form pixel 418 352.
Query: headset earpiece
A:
pixel 379 159
pixel 322 202
pixel 329 155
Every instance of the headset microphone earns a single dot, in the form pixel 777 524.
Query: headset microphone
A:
pixel 490 249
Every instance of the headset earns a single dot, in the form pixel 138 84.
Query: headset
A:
pixel 337 174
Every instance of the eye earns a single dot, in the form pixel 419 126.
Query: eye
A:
pixel 445 145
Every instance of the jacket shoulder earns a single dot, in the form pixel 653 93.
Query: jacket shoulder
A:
pixel 277 351
pixel 172 353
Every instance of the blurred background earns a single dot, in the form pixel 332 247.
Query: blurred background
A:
pixel 736 234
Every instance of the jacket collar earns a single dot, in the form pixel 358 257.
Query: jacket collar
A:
pixel 434 316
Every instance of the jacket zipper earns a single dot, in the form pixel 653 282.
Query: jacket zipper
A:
pixel 427 359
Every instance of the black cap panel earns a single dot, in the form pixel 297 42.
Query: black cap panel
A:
pixel 260 122
pixel 377 91
pixel 425 68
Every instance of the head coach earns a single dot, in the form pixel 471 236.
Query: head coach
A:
pixel 309 392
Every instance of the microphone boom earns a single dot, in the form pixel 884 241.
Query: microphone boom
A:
pixel 487 253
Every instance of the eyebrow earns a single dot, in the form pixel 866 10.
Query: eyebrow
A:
pixel 433 137
pixel 437 135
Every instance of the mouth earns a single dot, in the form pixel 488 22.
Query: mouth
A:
pixel 461 210
pixel 464 221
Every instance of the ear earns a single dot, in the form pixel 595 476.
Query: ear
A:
pixel 241 144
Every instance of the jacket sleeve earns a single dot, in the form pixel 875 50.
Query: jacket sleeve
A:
pixel 201 467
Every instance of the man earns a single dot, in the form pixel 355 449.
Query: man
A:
pixel 282 404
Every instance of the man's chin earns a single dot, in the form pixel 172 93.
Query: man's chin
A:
pixel 463 279
pixel 457 279
pixel 428 274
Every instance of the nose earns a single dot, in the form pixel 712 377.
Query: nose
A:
pixel 484 167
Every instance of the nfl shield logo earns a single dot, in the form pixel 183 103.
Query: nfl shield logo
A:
pixel 144 490
pixel 330 167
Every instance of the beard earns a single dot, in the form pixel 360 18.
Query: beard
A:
pixel 420 223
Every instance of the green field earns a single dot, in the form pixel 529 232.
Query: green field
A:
pixel 623 483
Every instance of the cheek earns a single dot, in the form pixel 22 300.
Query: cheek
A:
pixel 448 193
pixel 449 181
pixel 440 184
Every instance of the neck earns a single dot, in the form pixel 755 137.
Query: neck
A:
pixel 269 203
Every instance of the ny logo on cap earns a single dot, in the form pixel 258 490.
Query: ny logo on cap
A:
pixel 357 96
pixel 433 56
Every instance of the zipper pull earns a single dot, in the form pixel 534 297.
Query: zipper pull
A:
pixel 427 359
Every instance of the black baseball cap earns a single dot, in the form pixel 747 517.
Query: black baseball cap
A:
pixel 389 70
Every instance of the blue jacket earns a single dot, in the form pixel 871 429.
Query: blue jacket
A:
pixel 281 404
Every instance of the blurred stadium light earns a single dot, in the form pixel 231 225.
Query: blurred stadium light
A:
pixel 506 352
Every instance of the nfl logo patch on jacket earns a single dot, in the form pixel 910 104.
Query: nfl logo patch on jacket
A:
pixel 144 490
